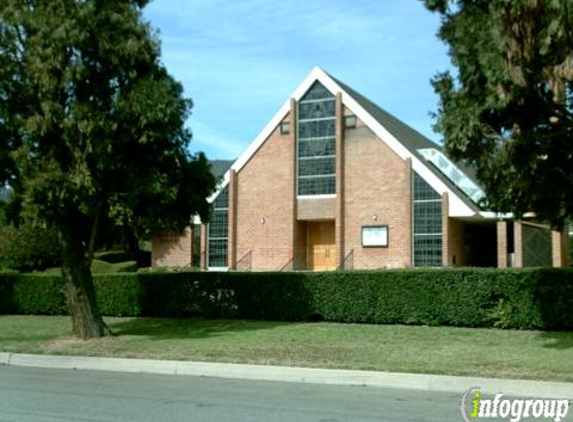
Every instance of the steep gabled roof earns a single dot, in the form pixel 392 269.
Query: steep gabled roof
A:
pixel 413 140
pixel 401 138
pixel 220 167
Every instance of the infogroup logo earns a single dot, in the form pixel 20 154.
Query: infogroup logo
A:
pixel 475 406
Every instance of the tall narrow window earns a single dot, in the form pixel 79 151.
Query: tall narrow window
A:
pixel 427 224
pixel 218 231
pixel 316 142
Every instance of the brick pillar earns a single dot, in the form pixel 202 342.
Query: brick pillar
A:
pixel 204 246
pixel 560 246
pixel 339 202
pixel 518 242
pixel 408 201
pixel 232 239
pixel 297 263
pixel 445 230
pixel 502 244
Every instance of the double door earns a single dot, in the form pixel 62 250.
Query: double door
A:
pixel 321 246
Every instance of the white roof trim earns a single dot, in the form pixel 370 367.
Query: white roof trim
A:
pixel 497 215
pixel 457 207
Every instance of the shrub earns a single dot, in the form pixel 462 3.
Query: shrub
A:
pixel 523 299
pixel 28 248
pixel 118 294
pixel 31 294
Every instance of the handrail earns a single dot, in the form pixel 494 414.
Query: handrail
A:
pixel 347 262
pixel 288 264
pixel 247 261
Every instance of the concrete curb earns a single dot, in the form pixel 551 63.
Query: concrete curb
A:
pixel 518 388
pixel 5 358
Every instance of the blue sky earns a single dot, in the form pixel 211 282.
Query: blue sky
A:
pixel 240 60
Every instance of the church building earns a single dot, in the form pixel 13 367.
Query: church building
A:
pixel 335 182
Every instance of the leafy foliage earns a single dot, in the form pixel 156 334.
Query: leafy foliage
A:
pixel 92 130
pixel 509 110
pixel 28 247
pixel 532 298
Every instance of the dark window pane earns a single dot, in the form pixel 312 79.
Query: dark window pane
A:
pixel 218 225
pixel 316 147
pixel 222 201
pixel 316 92
pixel 316 185
pixel 218 253
pixel 316 142
pixel 427 224
pixel 422 190
pixel 428 251
pixel 316 129
pixel 218 230
pixel 316 110
pixel 317 166
pixel 428 217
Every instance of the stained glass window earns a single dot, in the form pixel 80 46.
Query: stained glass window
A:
pixel 218 231
pixel 317 142
pixel 427 224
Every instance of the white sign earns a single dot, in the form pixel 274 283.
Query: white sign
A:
pixel 375 236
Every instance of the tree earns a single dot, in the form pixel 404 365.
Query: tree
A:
pixel 91 127
pixel 508 112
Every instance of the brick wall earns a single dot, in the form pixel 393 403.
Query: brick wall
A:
pixel 265 203
pixel 560 248
pixel 316 209
pixel 171 249
pixel 517 236
pixel 502 244
pixel 377 192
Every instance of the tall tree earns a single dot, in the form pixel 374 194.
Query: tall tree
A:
pixel 508 111
pixel 92 126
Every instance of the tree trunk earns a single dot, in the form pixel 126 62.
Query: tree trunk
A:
pixel 79 287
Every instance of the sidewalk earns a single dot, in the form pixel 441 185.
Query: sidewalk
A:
pixel 518 388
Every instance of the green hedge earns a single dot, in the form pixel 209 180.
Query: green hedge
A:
pixel 529 298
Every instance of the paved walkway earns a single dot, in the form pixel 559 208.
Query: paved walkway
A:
pixel 518 388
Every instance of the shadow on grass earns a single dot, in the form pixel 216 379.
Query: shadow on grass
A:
pixel 167 328
pixel 557 339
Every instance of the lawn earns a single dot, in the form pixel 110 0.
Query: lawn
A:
pixel 437 350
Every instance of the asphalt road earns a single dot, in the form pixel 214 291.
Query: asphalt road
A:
pixel 47 395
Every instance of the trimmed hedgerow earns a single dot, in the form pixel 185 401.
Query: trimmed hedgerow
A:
pixel 528 298
pixel 31 294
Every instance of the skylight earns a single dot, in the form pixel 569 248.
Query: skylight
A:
pixel 449 169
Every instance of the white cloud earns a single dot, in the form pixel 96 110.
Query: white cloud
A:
pixel 240 60
pixel 220 144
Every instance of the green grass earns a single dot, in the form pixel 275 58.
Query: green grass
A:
pixel 437 350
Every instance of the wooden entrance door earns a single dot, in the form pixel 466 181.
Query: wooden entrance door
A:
pixel 321 246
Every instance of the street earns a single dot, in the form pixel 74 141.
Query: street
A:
pixel 46 395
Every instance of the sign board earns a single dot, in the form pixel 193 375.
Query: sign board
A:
pixel 374 236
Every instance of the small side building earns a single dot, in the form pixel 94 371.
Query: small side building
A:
pixel 335 182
